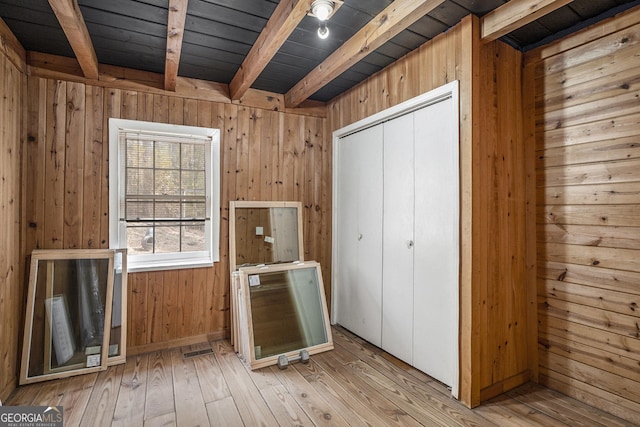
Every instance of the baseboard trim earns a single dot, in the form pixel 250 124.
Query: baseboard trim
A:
pixel 179 342
pixel 504 385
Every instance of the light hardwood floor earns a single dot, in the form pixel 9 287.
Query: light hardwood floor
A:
pixel 356 384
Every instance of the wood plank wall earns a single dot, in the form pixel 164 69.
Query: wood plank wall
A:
pixel 265 155
pixel 585 118
pixel 495 302
pixel 12 92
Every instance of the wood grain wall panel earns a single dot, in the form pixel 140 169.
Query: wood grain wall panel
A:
pixel 13 110
pixel 496 293
pixel 588 197
pixel 68 128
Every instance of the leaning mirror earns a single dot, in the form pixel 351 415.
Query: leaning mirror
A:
pixel 69 314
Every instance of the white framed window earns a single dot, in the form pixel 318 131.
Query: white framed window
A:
pixel 164 194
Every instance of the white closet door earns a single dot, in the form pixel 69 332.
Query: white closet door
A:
pixel 436 253
pixel 359 233
pixel 397 270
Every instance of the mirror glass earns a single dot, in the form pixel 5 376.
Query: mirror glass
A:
pixel 266 235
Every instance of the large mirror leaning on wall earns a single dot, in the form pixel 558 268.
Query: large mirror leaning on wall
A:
pixel 75 319
pixel 283 309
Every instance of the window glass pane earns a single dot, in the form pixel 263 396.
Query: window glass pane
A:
pixel 139 153
pixel 139 209
pixel 139 181
pixel 193 183
pixel 193 238
pixel 287 311
pixel 193 156
pixel 167 210
pixel 167 182
pixel 193 210
pixel 140 238
pixel 167 155
pixel 167 239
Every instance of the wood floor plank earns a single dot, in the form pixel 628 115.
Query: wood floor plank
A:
pixel 563 408
pixel 130 404
pixel 429 392
pixel 364 392
pixel 356 384
pixel 317 408
pixel 74 403
pixel 251 406
pixel 160 395
pixel 102 403
pixel 189 403
pixel 165 420
pixel 284 407
pixel 343 397
pixel 223 413
pixel 510 412
pixel 212 383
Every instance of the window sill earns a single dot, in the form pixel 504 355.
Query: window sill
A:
pixel 138 267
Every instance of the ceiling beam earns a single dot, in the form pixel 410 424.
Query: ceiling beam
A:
pixel 515 14
pixel 72 23
pixel 11 47
pixel 283 21
pixel 396 17
pixel 175 33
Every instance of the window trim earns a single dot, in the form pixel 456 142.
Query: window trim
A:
pixel 117 228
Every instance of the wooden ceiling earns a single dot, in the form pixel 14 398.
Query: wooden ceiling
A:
pixel 271 45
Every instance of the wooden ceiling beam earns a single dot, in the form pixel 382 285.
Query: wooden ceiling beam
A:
pixel 515 14
pixel 392 20
pixel 283 21
pixel 74 27
pixel 175 33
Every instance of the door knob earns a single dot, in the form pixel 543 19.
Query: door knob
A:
pixel 360 236
pixel 409 244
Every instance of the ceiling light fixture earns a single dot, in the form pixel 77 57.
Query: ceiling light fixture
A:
pixel 323 30
pixel 322 9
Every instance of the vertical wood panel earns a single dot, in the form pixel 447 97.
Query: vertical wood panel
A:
pixel 74 165
pixel 12 142
pixel 54 166
pixel 93 152
pixel 583 119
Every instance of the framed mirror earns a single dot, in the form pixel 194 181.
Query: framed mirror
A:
pixel 283 308
pixel 71 325
pixel 264 233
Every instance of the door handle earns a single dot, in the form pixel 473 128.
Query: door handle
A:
pixel 359 236
pixel 409 244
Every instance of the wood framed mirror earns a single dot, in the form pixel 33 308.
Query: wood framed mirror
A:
pixel 71 324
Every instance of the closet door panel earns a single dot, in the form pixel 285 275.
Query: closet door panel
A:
pixel 397 267
pixel 346 273
pixel 360 234
pixel 437 246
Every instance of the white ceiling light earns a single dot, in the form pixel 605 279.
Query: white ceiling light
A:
pixel 323 30
pixel 322 9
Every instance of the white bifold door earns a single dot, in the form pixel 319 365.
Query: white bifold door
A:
pixel 396 232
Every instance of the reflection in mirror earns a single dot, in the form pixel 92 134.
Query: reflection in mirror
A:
pixel 285 311
pixel 69 308
pixel 265 232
